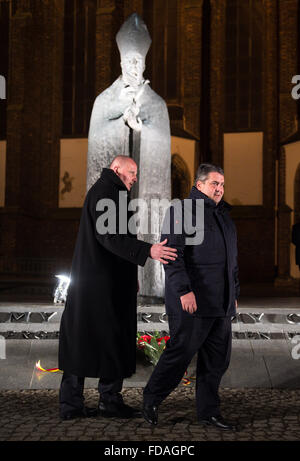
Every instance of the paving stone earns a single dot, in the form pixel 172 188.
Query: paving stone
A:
pixel 263 414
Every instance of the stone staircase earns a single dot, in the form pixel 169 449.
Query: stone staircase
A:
pixel 265 319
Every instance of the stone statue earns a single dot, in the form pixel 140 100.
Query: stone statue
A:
pixel 129 118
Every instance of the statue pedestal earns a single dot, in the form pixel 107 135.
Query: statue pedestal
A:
pixel 149 300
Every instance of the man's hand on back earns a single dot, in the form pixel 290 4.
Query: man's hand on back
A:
pixel 161 253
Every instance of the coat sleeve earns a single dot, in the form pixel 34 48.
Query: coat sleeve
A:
pixel 131 249
pixel 236 281
pixel 123 245
pixel 175 271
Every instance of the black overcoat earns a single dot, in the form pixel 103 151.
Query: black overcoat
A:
pixel 296 241
pixel 208 269
pixel 98 325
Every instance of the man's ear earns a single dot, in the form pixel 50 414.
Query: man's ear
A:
pixel 115 169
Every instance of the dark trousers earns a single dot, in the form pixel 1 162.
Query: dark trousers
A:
pixel 71 392
pixel 211 338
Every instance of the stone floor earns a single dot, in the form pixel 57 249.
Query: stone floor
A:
pixel 256 363
pixel 262 414
pixel 260 391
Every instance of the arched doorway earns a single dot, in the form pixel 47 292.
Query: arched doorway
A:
pixel 180 178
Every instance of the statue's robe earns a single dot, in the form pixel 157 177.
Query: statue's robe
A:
pixel 109 136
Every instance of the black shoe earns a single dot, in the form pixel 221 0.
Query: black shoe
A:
pixel 85 412
pixel 118 410
pixel 219 422
pixel 150 413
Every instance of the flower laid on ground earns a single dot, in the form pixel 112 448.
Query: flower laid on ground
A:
pixel 152 345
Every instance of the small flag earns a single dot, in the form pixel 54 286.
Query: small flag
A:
pixel 39 367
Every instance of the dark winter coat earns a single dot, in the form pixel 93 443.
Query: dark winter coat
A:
pixel 296 241
pixel 98 326
pixel 208 269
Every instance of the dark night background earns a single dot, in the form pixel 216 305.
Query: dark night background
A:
pixel 223 67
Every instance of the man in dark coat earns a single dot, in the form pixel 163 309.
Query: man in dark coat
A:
pixel 98 325
pixel 296 241
pixel 201 295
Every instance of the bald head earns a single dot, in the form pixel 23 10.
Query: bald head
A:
pixel 126 168
pixel 120 161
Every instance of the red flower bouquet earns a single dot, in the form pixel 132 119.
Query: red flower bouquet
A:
pixel 152 345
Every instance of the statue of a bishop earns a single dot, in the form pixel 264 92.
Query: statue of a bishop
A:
pixel 129 118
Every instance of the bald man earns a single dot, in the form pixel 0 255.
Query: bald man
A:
pixel 98 326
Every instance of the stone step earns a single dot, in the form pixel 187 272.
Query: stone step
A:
pixel 151 327
pixel 282 318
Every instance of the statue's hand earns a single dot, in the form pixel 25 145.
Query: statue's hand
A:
pixel 135 123
pixel 138 124
pixel 134 109
pixel 131 117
